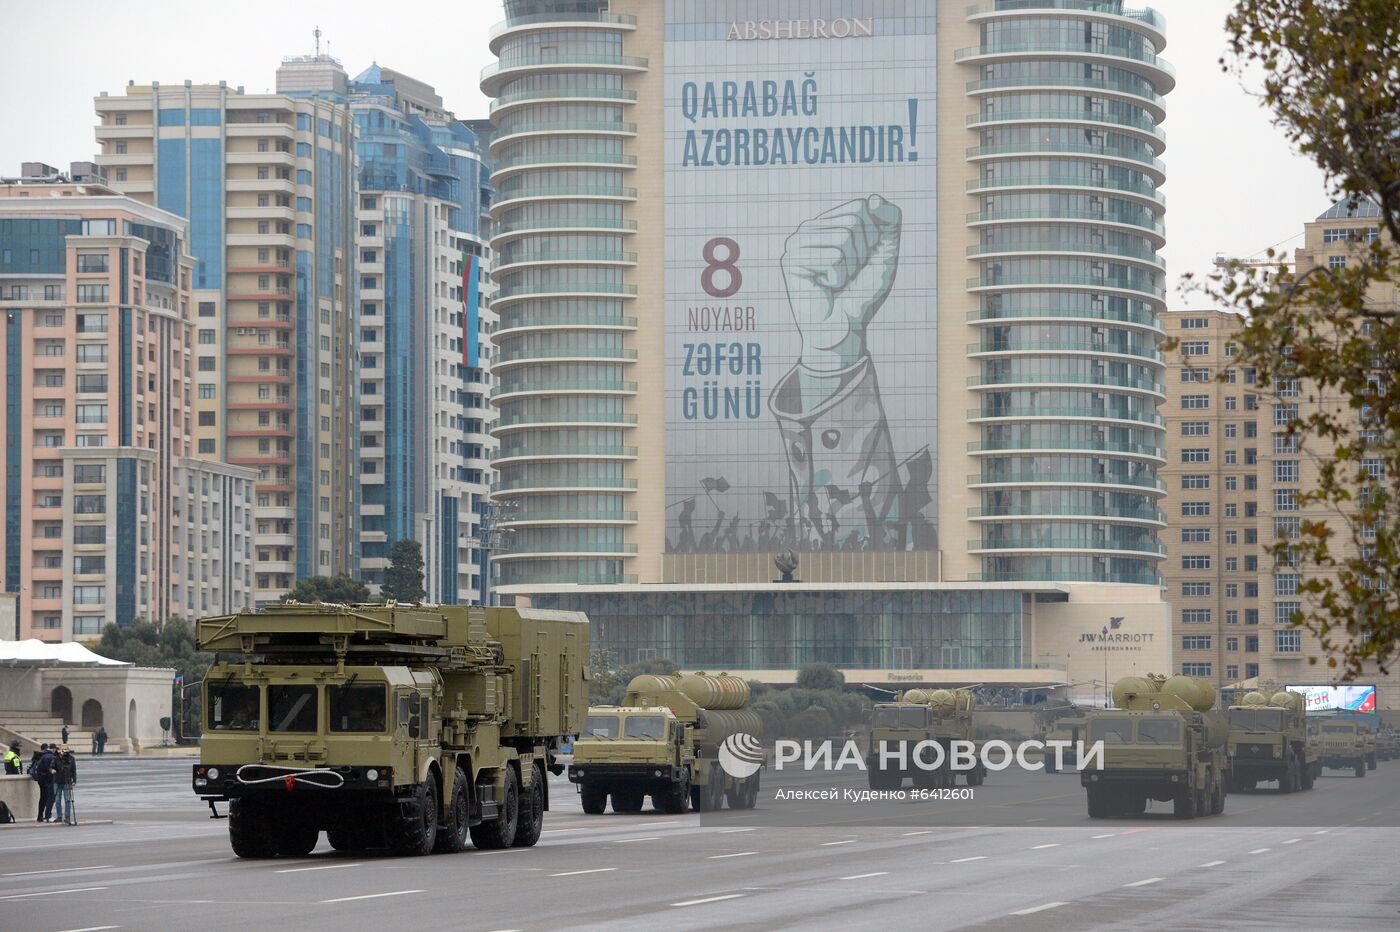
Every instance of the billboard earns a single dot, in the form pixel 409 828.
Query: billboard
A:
pixel 1326 698
pixel 800 249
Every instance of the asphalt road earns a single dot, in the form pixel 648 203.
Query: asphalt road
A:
pixel 165 865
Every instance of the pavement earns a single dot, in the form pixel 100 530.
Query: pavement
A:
pixel 164 864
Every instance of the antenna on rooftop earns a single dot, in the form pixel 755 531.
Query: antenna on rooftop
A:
pixel 317 33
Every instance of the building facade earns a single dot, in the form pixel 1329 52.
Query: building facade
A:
pixel 425 414
pixel 879 288
pixel 267 182
pixel 110 515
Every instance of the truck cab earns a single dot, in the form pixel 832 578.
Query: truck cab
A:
pixel 1269 743
pixel 629 753
pixel 1341 745
pixel 1167 755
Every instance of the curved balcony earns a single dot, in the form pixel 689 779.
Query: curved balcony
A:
pixel 1144 128
pixel 1146 98
pixel 1153 227
pixel 506 296
pixel 519 324
pixel 1019 478
pixel 556 454
pixel 613 95
pixel 525 128
pixel 1035 315
pixel 528 195
pixel 506 586
pixel 521 421
pixel 1134 160
pixel 1146 21
pixel 497 74
pixel 1146 386
pixel 567 19
pixel 1004 348
pixel 1070 250
pixel 1076 184
pixel 579 354
pixel 532 258
pixel 574 550
pixel 1005 282
pixel 555 517
pixel 1043 413
pixel 530 485
pixel 1060 574
pixel 1142 450
pixel 564 387
pixel 538 227
pixel 515 164
pixel 1152 67
pixel 1068 544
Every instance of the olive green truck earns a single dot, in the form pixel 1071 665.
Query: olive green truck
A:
pixel 1269 742
pixel 403 728
pixel 903 734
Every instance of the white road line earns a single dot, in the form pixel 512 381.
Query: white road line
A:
pixel 1259 850
pixel 721 857
pixel 927 831
pixel 1320 832
pixel 1110 835
pixel 1053 844
pixel 709 899
pixel 1036 909
pixel 828 844
pixel 977 857
pixel 92 929
pixel 1292 841
pixel 24 896
pixel 667 822
pixel 319 867
pixel 1212 863
pixel 1143 883
pixel 370 896
pixel 594 870
pixel 731 831
pixel 863 876
pixel 624 841
pixel 57 870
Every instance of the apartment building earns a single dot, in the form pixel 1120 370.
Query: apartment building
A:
pixel 267 184
pixel 110 515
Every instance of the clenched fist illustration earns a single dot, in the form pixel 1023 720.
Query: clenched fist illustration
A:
pixel 838 268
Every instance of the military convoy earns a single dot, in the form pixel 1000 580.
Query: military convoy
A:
pixel 404 728
pixel 1269 742
pixel 664 741
pixel 1344 744
pixel 1162 741
pixel 928 716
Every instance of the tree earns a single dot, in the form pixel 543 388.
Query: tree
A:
pixel 607 685
pixel 403 580
pixel 1327 340
pixel 340 589
pixel 820 676
pixel 169 645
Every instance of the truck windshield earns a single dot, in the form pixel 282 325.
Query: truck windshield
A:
pixel 600 726
pixel 895 716
pixel 1339 729
pixel 357 707
pixel 1159 731
pixel 1257 719
pixel 645 726
pixel 1111 730
pixel 291 708
pixel 233 706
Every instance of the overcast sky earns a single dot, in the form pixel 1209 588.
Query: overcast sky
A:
pixel 1233 187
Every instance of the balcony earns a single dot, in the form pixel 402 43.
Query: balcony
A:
pixel 1092 283
pixel 1016 477
pixel 497 74
pixel 1141 126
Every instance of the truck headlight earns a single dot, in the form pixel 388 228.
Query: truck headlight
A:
pixel 200 781
pixel 371 774
pixel 213 773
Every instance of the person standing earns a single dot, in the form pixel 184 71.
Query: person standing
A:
pixel 13 762
pixel 43 773
pixel 101 739
pixel 65 734
pixel 65 777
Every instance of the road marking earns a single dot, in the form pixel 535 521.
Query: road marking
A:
pixel 731 831
pixel 927 831
pixel 321 867
pixel 667 822
pixel 976 857
pixel 863 876
pixel 1212 863
pixel 25 896
pixel 1143 883
pixel 709 899
pixel 1053 844
pixel 625 841
pixel 721 857
pixel 370 896
pixel 57 870
pixel 92 929
pixel 828 844
pixel 558 831
pixel 1110 835
pixel 1292 841
pixel 1036 909
pixel 1320 832
pixel 592 870
pixel 1259 850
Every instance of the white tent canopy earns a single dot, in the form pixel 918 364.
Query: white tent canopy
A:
pixel 36 653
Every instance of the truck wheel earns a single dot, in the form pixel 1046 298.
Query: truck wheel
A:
pixel 595 799
pixel 527 832
pixel 977 776
pixel 500 831
pixel 750 792
pixel 674 800
pixel 250 830
pixel 1371 762
pixel 339 839
pixel 1184 806
pixel 1136 805
pixel 415 837
pixel 1360 768
pixel 627 801
pixel 1288 782
pixel 1219 807
pixel 1098 803
pixel 297 839
pixel 1309 775
pixel 457 817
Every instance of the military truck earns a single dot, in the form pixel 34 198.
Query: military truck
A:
pixel 387 726
pixel 1269 742
pixel 664 742
pixel 941 716
pixel 1066 723
pixel 1342 745
pixel 1162 741
pixel 1387 745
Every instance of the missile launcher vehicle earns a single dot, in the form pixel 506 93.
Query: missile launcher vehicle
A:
pixel 1269 742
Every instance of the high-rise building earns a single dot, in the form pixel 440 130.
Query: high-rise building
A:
pixel 1233 484
pixel 879 289
pixel 267 182
pixel 110 514
pixel 424 411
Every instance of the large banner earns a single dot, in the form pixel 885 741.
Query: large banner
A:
pixel 800 276
pixel 1327 698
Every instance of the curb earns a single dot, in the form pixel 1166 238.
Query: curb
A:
pixel 23 824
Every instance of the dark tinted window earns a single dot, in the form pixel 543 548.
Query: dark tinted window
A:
pixel 291 708
pixel 1159 731
pixel 356 708
pixel 1111 730
pixel 233 706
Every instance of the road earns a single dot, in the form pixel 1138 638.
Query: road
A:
pixel 164 864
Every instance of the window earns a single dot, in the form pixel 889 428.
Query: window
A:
pixel 1231 483
pixel 89 473
pixel 1195 455
pixel 87 564
pixel 1195 669
pixel 1195 481
pixel 1285 470
pixel 206 364
pixel 1286 444
pixel 1195 323
pixel 92 294
pixel 1232 671
pixel 1251 670
pixel 1251 564
pixel 206 446
pixel 291 708
pixel 1231 458
pixel 92 262
pixel 1195 590
pixel 1195 428
pixel 1336 262
pixel 1232 616
pixel 1286 584
pixel 207 391
pixel 1231 510
pixel 1195 616
pixel 1231 402
pixel 1195 402
pixel 1195 535
pixel 1288 641
pixel 92 352
pixel 1195 375
pixel 1195 348
pixel 1195 509
pixel 206 337
pixel 1285 415
pixel 1285 499
pixel 1232 564
pixel 89 533
pixel 206 418
pixel 1195 561
pixel 89 504
pixel 89 595
pixel 1195 642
